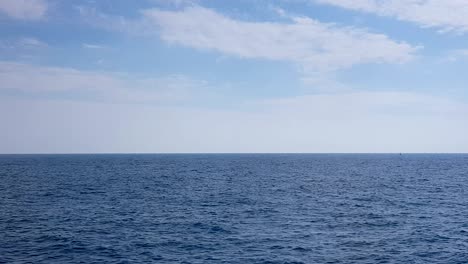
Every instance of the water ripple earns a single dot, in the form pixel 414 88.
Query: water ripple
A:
pixel 233 208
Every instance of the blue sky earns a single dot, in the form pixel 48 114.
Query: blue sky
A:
pixel 233 76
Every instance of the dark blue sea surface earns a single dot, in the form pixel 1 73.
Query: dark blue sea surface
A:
pixel 243 208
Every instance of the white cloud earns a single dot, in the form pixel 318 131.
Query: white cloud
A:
pixel 24 9
pixel 22 49
pixel 31 42
pixel 92 46
pixel 456 55
pixel 176 3
pixel 97 86
pixel 448 15
pixel 20 45
pixel 314 45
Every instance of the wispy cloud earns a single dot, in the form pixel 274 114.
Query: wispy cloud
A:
pixel 455 55
pixel 31 42
pixel 97 86
pixel 311 44
pixel 24 9
pixel 22 43
pixel 22 49
pixel 451 15
pixel 93 46
pixel 314 45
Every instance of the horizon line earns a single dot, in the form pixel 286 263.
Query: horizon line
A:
pixel 228 153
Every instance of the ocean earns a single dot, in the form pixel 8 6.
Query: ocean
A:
pixel 234 208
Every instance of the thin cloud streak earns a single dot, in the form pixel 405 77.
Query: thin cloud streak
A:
pixel 451 15
pixel 97 86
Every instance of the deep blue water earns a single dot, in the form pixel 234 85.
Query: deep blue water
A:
pixel 289 208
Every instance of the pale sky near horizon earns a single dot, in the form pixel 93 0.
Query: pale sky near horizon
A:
pixel 157 76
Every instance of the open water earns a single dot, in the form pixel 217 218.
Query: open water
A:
pixel 234 208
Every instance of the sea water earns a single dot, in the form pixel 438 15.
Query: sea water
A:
pixel 234 208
